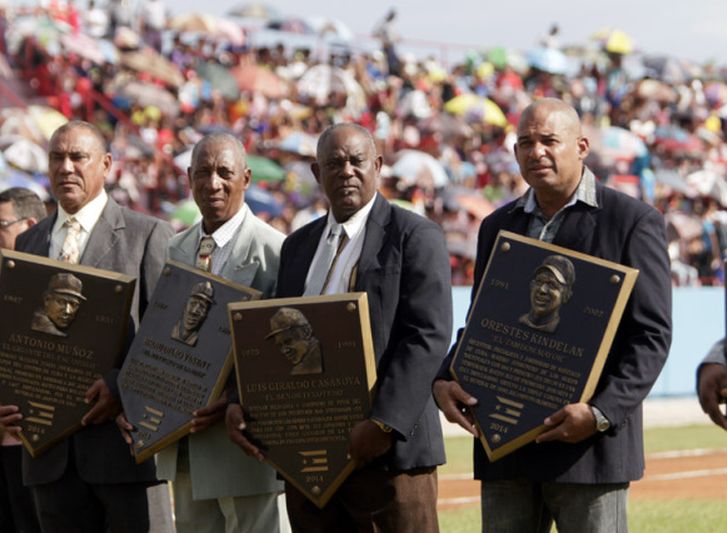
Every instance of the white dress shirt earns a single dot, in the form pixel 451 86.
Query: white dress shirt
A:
pixel 87 217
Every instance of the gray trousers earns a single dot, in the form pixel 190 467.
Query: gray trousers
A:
pixel 531 507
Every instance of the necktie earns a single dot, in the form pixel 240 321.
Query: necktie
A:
pixel 204 257
pixel 322 268
pixel 71 251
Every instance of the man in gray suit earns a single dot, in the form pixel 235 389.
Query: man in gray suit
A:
pixel 90 482
pixel 216 486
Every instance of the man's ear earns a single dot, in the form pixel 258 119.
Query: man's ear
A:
pixel 316 169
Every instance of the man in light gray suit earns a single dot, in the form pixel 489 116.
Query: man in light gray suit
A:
pixel 89 482
pixel 216 486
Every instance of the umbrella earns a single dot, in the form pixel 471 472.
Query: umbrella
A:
pixel 548 60
pixel 148 94
pixel 448 125
pixel 669 69
pixel 291 25
pixel 673 179
pixel 476 109
pixel 83 45
pixel 152 62
pixel 709 183
pixel 319 81
pixel 332 28
pixel 414 103
pixel 475 204
pixel 209 25
pixel 26 155
pixel 254 10
pixel 16 178
pixel 253 78
pixel 419 168
pixel 615 143
pixel 262 201
pixel 220 79
pixel 675 139
pixel 299 143
pixel 656 90
pixel 264 169
pixel 686 226
pixel 614 41
pixel 186 212
pixel 46 119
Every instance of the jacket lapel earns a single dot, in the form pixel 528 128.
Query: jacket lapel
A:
pixel 374 239
pixel 104 236
pixel 239 267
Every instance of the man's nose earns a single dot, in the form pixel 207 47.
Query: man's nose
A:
pixel 348 169
pixel 66 165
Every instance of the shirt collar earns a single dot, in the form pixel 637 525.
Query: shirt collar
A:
pixel 226 231
pixel 88 215
pixel 586 193
pixel 356 222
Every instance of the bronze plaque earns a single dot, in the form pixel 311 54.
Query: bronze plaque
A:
pixel 63 326
pixel 305 368
pixel 180 358
pixel 537 336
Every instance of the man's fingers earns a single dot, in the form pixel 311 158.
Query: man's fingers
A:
pixel 92 391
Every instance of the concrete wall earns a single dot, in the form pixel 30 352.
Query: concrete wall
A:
pixel 699 321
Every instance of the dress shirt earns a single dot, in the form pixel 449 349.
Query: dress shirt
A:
pixel 224 236
pixel 87 217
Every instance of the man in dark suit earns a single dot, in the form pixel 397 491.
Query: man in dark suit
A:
pixel 400 260
pixel 578 471
pixel 90 482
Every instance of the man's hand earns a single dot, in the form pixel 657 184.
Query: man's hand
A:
pixel 9 417
pixel 368 441
pixel 125 428
pixel 574 423
pixel 711 389
pixel 454 402
pixel 207 416
pixel 106 407
pixel 235 422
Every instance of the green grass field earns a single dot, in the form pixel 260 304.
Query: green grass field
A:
pixel 645 516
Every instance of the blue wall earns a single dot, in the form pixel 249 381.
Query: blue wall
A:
pixel 699 321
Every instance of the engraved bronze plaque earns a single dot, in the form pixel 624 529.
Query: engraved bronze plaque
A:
pixel 305 368
pixel 537 336
pixel 180 358
pixel 63 326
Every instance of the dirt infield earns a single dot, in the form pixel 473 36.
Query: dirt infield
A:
pixel 694 475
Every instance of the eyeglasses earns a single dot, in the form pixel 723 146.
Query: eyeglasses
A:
pixel 7 223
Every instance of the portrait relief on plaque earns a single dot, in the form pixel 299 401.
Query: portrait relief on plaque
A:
pixel 293 335
pixel 195 311
pixel 550 288
pixel 61 302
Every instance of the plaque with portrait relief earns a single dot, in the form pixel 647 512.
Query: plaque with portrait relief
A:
pixel 537 337
pixel 305 369
pixel 180 358
pixel 63 327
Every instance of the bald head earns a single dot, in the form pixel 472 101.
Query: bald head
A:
pixel 332 131
pixel 548 106
pixel 550 150
pixel 91 129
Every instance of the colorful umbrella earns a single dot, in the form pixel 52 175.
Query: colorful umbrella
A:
pixel 548 60
pixel 220 79
pixel 264 169
pixel 26 155
pixel 476 108
pixel 262 201
pixel 256 79
pixel 153 63
pixel 299 143
pixel 186 212
pixel 414 167
pixel 320 81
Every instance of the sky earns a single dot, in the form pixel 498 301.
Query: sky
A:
pixel 693 29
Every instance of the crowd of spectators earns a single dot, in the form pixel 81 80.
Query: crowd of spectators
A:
pixel 155 83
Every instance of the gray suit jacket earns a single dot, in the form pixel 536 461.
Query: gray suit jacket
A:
pixel 122 241
pixel 218 468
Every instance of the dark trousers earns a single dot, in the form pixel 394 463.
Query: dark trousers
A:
pixel 70 505
pixel 371 500
pixel 17 512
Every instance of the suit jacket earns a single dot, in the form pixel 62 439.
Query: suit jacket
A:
pixel 130 243
pixel 218 468
pixel 404 269
pixel 629 232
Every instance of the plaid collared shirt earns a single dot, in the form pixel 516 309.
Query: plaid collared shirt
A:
pixel 545 230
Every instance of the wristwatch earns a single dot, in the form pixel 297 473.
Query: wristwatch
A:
pixel 383 427
pixel 602 423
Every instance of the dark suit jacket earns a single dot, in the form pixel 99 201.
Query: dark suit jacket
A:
pixel 130 243
pixel 629 232
pixel 404 269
